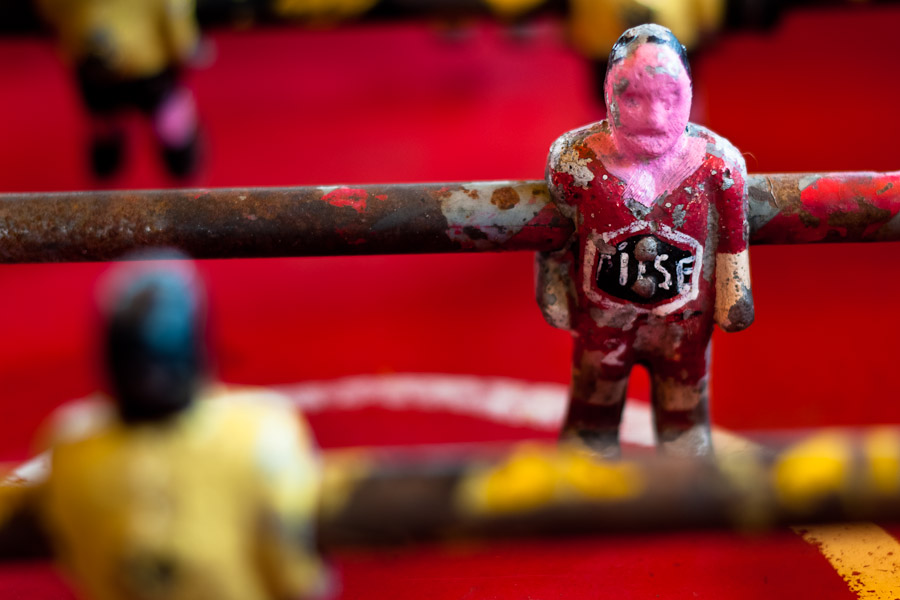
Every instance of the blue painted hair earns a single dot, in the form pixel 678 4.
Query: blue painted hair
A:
pixel 155 342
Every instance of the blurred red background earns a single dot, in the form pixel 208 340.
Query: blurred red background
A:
pixel 399 102
pixel 402 103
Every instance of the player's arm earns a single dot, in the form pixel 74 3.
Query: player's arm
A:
pixel 734 296
pixel 555 290
pixel 23 490
pixel 181 30
pixel 21 533
pixel 289 473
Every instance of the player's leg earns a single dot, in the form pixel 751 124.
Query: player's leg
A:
pixel 102 95
pixel 597 397
pixel 107 145
pixel 681 416
pixel 680 396
pixel 173 111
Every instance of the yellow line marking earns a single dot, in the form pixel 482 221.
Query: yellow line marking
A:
pixel 866 556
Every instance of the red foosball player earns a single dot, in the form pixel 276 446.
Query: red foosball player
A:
pixel 660 249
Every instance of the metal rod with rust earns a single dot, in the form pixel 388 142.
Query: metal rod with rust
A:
pixel 561 491
pixel 398 219
pixel 373 498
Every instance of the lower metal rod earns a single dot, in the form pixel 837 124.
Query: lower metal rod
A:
pixel 372 498
pixel 550 491
pixel 398 219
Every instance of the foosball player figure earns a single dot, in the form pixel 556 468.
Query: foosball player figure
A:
pixel 180 490
pixel 129 55
pixel 659 254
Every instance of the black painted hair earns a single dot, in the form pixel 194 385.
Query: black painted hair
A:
pixel 649 33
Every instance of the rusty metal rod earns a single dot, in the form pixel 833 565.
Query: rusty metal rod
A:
pixel 548 491
pixel 397 219
pixel 374 498
pixel 271 222
pixel 802 208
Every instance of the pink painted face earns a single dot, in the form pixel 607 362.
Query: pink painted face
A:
pixel 649 99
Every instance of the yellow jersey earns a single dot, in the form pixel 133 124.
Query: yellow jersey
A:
pixel 215 503
pixel 132 38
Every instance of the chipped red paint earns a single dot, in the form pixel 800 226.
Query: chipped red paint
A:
pixel 639 280
pixel 548 228
pixel 716 185
pixel 828 207
pixel 659 254
pixel 355 198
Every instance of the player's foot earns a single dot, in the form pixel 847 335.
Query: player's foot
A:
pixel 693 442
pixel 106 154
pixel 183 161
pixel 600 443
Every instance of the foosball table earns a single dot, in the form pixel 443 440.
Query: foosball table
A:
pixel 381 325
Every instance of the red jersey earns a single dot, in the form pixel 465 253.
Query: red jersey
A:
pixel 656 257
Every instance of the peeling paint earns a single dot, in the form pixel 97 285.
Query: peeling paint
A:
pixel 678 216
pixel 808 180
pixel 825 207
pixel 343 196
pixel 570 162
pixel 478 224
pixel 891 229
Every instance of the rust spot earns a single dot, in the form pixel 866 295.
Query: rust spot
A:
pixel 584 151
pixel 441 194
pixel 858 221
pixel 505 198
pixel 741 314
pixel 786 193
pixel 473 194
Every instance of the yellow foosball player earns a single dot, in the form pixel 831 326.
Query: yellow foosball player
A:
pixel 177 489
pixel 128 55
pixel 595 25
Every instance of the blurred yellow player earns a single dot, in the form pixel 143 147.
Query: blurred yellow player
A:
pixel 128 54
pixel 595 25
pixel 177 489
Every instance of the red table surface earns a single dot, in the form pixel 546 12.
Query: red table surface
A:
pixel 399 102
